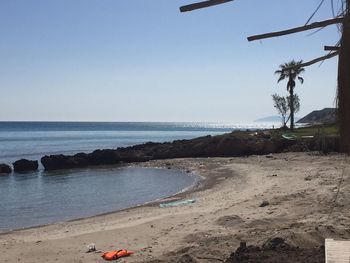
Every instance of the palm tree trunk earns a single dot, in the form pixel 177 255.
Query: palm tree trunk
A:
pixel 291 94
pixel 344 84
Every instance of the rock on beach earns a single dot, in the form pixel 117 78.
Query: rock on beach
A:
pixel 5 169
pixel 25 165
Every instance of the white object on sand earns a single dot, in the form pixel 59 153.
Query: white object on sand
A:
pixel 178 203
pixel 337 251
pixel 91 248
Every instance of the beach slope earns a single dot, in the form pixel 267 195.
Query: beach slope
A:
pixel 300 197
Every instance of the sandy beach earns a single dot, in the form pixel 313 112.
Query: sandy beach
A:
pixel 307 199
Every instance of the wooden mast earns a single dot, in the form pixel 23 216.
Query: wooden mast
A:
pixel 203 4
pixel 297 29
pixel 344 83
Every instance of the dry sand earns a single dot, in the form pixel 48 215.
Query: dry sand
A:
pixel 306 205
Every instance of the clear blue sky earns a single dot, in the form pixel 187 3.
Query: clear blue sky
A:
pixel 143 60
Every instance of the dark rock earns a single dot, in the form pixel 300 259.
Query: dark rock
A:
pixel 56 162
pixel 264 203
pixel 100 157
pixel 274 243
pixel 228 145
pixel 24 165
pixel 81 159
pixel 5 169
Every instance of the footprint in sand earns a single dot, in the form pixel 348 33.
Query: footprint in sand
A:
pixel 230 221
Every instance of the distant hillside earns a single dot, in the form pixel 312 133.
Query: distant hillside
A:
pixel 325 116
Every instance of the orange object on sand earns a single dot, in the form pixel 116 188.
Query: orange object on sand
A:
pixel 113 255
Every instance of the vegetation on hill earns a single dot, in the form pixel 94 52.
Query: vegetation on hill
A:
pixel 328 130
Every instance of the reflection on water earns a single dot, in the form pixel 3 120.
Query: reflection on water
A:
pixel 39 198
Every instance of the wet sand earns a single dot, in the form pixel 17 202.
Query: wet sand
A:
pixel 304 204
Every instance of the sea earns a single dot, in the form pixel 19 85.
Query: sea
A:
pixel 41 197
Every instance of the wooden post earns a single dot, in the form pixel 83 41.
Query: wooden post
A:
pixel 202 4
pixel 331 48
pixel 344 83
pixel 320 24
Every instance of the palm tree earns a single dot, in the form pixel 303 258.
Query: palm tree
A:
pixel 291 71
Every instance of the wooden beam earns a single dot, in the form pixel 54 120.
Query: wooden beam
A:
pixel 331 48
pixel 203 4
pixel 316 60
pixel 298 29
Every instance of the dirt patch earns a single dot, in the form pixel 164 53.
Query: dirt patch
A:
pixel 230 221
pixel 276 251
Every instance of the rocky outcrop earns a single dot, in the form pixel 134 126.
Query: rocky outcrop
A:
pixel 227 145
pixel 24 165
pixel 5 169
pixel 54 162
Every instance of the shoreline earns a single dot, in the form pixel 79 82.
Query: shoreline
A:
pixel 233 144
pixel 196 186
pixel 298 186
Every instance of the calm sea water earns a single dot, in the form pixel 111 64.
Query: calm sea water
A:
pixel 46 197
pixel 32 140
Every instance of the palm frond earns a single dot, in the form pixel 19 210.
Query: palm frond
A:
pixel 278 72
pixel 282 77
